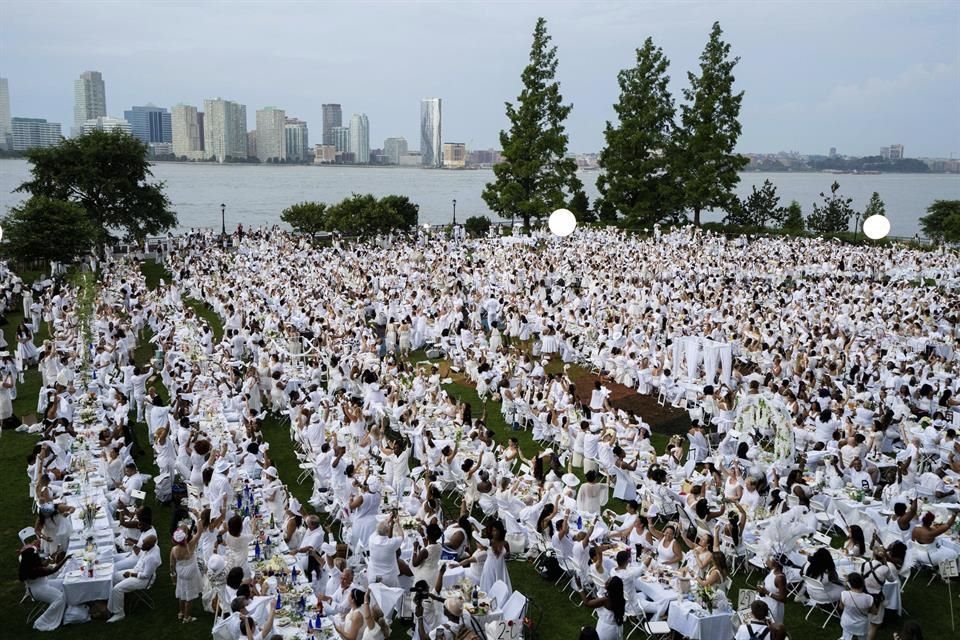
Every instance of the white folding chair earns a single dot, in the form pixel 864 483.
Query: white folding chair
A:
pixel 818 598
pixel 515 607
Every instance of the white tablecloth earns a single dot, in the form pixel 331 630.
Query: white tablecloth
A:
pixel 692 621
pixel 79 588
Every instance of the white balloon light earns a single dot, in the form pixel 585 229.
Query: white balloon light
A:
pixel 876 227
pixel 562 222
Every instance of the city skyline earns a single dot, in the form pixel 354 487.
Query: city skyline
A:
pixel 850 91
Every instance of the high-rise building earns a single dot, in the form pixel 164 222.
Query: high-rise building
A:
pixel 200 124
pixel 430 132
pixel 150 123
pixel 896 152
pixel 833 152
pixel 252 144
pixel 6 141
pixel 89 99
pixel 393 148
pixel 29 133
pixel 271 139
pixel 186 132
pixel 454 155
pixel 298 142
pixel 224 129
pixel 341 139
pixel 360 138
pixel 332 117
pixel 106 123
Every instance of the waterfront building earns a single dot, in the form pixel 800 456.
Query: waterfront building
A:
pixel 186 132
pixel 106 123
pixel 430 132
pixel 360 138
pixel 224 129
pixel 341 139
pixel 332 118
pixel 89 99
pixel 324 154
pixel 31 133
pixel 393 148
pixel 150 124
pixel 6 130
pixel 271 138
pixel 454 155
pixel 298 142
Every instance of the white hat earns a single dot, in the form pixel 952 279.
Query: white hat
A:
pixel 272 472
pixel 222 466
pixel 216 563
pixel 373 484
pixel 570 480
pixel 295 507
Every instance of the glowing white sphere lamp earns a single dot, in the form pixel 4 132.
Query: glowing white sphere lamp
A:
pixel 876 227
pixel 562 222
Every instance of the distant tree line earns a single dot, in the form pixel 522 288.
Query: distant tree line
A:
pixel 358 215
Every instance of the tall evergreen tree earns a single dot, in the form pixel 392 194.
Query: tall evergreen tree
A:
pixel 760 209
pixel 710 129
pixel 833 216
pixel 875 207
pixel 535 176
pixel 637 179
pixel 793 218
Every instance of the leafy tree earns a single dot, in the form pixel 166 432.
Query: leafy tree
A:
pixel 364 215
pixel 406 210
pixel 48 229
pixel 710 129
pixel 875 207
pixel 792 220
pixel 107 173
pixel 306 217
pixel 477 226
pixel 942 222
pixel 637 179
pixel 833 216
pixel 759 209
pixel 535 172
pixel 580 206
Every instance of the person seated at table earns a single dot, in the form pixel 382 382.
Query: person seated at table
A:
pixel 760 626
pixel 933 482
pixel 35 574
pixel 141 525
pixel 136 579
pixel 925 535
pixel 249 629
pixel 821 567
pixel 132 481
pixel 611 608
pixel 900 524
pixel 855 546
pixel 336 593
pixel 716 573
pixel 669 553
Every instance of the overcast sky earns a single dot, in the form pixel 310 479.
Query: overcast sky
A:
pixel 856 75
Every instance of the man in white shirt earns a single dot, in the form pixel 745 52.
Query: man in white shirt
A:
pixel 140 577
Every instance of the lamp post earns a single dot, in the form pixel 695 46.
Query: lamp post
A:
pixel 454 212
pixel 856 226
pixel 223 220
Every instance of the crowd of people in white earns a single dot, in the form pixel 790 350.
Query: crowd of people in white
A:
pixel 820 379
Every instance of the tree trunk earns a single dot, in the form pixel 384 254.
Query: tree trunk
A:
pixel 696 216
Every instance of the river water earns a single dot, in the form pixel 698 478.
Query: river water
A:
pixel 256 194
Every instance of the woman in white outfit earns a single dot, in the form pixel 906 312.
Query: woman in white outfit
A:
pixel 186 572
pixel 36 576
pixel 610 609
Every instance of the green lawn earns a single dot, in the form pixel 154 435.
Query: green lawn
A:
pixel 561 620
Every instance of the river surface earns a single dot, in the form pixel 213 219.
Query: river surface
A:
pixel 256 194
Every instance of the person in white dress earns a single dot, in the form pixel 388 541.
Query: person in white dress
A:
pixel 43 587
pixel 495 564
pixel 611 607
pixel 186 572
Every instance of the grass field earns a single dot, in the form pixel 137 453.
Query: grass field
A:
pixel 561 621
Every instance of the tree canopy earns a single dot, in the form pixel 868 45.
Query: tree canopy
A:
pixel 48 229
pixel 710 129
pixel 760 209
pixel 833 216
pixel 306 217
pixel 638 181
pixel 107 174
pixel 535 175
pixel 942 221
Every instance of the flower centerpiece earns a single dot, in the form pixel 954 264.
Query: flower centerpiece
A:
pixel 88 514
pixel 706 596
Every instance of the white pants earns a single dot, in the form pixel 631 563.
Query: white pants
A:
pixel 50 591
pixel 115 603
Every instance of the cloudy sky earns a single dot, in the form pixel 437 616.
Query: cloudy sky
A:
pixel 851 74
